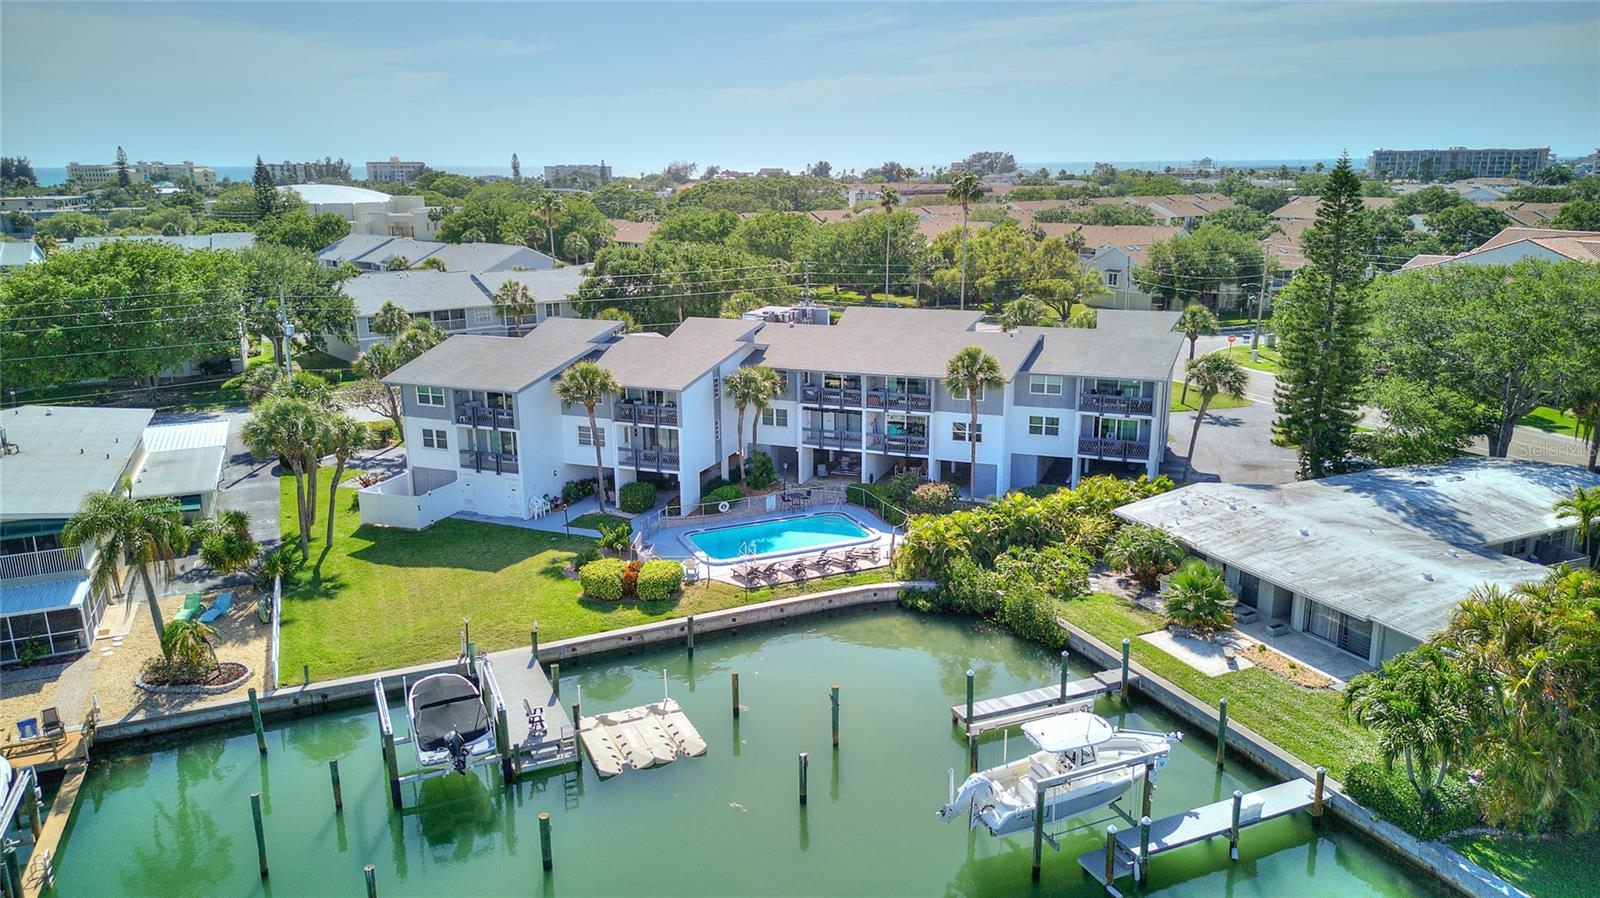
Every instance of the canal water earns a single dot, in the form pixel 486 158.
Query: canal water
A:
pixel 172 819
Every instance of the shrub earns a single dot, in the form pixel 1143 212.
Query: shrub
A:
pixel 602 579
pixel 575 490
pixel 1145 552
pixel 758 471
pixel 1393 798
pixel 872 497
pixel 382 433
pixel 658 579
pixel 932 498
pixel 616 539
pixel 729 493
pixel 586 555
pixel 1198 598
pixel 898 489
pixel 1027 613
pixel 630 579
pixel 637 497
pixel 159 671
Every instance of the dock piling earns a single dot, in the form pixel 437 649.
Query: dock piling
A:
pixel 544 841
pixel 502 738
pixel 735 679
pixel 1316 795
pixel 1063 676
pixel 261 833
pixel 691 636
pixel 338 793
pixel 805 766
pixel 255 720
pixel 472 659
pixel 970 676
pixel 555 680
pixel 1038 832
pixel 391 767
pixel 1126 645
pixel 1141 869
pixel 1111 853
pixel 371 874
pixel 13 871
pixel 1149 787
pixel 305 676
pixel 1233 829
pixel 534 638
pixel 1222 732
pixel 972 753
pixel 833 698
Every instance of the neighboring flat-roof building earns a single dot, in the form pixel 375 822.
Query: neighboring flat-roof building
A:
pixel 371 252
pixel 394 171
pixel 287 172
pixel 1375 562
pixel 370 211
pixel 1496 162
pixel 219 240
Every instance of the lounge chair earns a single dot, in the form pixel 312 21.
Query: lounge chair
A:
pixel 222 605
pixel 53 728
pixel 191 607
pixel 868 554
pixel 797 568
pixel 769 571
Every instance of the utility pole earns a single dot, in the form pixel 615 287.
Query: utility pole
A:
pixel 288 333
pixel 1261 305
pixel 244 344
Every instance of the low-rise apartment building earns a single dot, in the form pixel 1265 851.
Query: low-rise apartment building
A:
pixel 374 252
pixel 861 400
pixel 141 172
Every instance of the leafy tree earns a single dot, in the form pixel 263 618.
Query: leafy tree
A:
pixel 971 371
pixel 123 178
pixel 693 224
pixel 1429 200
pixel 516 168
pixel 1099 214
pixel 71 226
pixel 1196 322
pixel 1467 226
pixel 312 299
pixel 1024 311
pixel 397 263
pixel 587 384
pixel 621 201
pixel 773 235
pixel 628 324
pixel 666 281
pixel 850 253
pixel 1421 424
pixel 1242 219
pixel 1086 319
pixel 1265 200
pixel 1553 174
pixel 783 193
pixel 1060 279
pixel 17 171
pixel 1198 598
pixel 1195 266
pixel 1145 553
pixel 265 190
pixel 964 191
pixel 1212 375
pixel 1583 506
pixel 344 436
pixel 1322 318
pixel 431 263
pixel 991 162
pixel 136 532
pixel 1579 215
pixel 823 169
pixel 1395 239
pixel 298 229
pixel 382 359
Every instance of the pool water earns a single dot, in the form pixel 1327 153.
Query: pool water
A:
pixel 800 534
pixel 172 819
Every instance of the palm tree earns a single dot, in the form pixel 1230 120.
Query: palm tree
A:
pixel 743 387
pixel 225 543
pixel 1212 375
pixel 398 263
pixel 345 437
pixel 514 303
pixel 588 385
pixel 1198 598
pixel 1195 322
pixel 1145 552
pixel 144 531
pixel 190 643
pixel 1024 311
pixel 547 207
pixel 888 199
pixel 964 191
pixel 391 320
pixel 1584 505
pixel 972 371
pixel 291 429
pixel 772 383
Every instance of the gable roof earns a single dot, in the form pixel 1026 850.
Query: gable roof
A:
pixel 908 342
pixel 1306 206
pixel 505 364
pixel 1123 344
pixel 425 290
pixel 14 253
pixel 1579 246
pixel 351 247
pixel 1528 215
pixel 674 362
pixel 1134 240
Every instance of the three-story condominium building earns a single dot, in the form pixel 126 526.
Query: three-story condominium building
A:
pixel 864 398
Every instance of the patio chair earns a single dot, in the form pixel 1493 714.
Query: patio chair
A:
pixel 27 728
pixel 691 571
pixel 222 605
pixel 53 727
pixel 191 607
pixel 769 571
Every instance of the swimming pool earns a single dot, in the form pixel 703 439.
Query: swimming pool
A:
pixel 785 535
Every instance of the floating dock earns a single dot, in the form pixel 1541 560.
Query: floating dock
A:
pixel 1197 825
pixel 1021 707
pixel 641 738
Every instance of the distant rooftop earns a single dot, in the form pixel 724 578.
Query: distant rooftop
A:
pixel 63 453
pixel 333 194
pixel 427 291
pixel 220 240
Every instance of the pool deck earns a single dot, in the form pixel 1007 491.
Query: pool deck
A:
pixel 673 542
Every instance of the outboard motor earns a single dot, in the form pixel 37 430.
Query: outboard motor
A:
pixel 458 751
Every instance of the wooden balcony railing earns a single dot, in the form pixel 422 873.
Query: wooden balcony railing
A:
pixel 916 402
pixel 906 443
pixel 1126 450
pixel 830 395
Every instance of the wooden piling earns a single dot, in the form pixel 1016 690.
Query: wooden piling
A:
pixel 805 764
pixel 534 638
pixel 305 676
pixel 255 720
pixel 970 676
pixel 391 768
pixel 1038 831
pixel 261 833
pixel 1111 854
pixel 735 678
pixel 972 753
pixel 1222 732
pixel 1316 796
pixel 1141 869
pixel 1149 787
pixel 1126 645
pixel 472 659
pixel 371 874
pixel 544 840
pixel 833 698
pixel 508 752
pixel 338 792
pixel 1233 828
pixel 691 636
pixel 555 680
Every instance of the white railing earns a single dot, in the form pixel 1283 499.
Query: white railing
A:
pixel 47 561
pixel 711 512
pixel 275 641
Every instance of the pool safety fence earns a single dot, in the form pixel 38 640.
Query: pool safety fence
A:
pixel 795 499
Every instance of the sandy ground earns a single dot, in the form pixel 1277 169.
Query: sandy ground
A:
pixel 108 678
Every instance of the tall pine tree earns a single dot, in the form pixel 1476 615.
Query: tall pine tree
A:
pixel 1321 319
pixel 516 168
pixel 266 190
pixel 122 168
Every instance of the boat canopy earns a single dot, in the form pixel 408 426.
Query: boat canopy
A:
pixel 446 703
pixel 1068 732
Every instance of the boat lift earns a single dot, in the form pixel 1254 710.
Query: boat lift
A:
pixel 386 734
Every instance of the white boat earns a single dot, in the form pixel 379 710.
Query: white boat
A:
pixel 1001 799
pixel 449 724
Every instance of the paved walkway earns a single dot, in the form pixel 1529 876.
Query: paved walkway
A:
pixel 554 522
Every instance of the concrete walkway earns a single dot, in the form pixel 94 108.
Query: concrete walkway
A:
pixel 554 522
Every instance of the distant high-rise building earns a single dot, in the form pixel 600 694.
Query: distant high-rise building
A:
pixel 577 175
pixel 1484 163
pixel 287 172
pixel 394 171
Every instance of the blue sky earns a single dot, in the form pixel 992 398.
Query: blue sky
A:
pixel 785 84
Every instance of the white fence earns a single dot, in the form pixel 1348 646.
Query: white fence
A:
pixel 275 640
pixel 391 503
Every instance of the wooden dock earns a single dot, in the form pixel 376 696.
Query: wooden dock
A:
pixel 1021 707
pixel 41 862
pixel 524 687
pixel 1197 825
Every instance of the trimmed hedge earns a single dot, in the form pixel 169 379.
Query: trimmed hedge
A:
pixel 602 579
pixel 729 493
pixel 637 497
pixel 1393 797
pixel 758 471
pixel 658 579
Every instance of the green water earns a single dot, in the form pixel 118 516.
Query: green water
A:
pixel 173 820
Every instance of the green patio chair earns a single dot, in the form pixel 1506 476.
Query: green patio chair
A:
pixel 191 607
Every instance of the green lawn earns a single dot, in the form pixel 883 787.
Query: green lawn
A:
pixel 1269 358
pixel 1193 403
pixel 1551 420
pixel 384 598
pixel 594 520
pixel 1542 867
pixel 852 297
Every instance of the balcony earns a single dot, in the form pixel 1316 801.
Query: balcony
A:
pixel 1125 450
pixel 898 444
pixel 831 439
pixel 1112 404
pixel 830 395
pixel 655 459
pixel 47 561
pixel 646 414
pixel 916 402
pixel 495 462
pixel 476 414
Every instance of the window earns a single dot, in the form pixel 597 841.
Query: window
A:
pixel 483 314
pixel 591 436
pixel 448 319
pixel 1042 426
pixel 1111 278
pixel 552 310
pixel 783 382
pixel 1045 385
pixel 1118 429
pixel 430 396
pixel 959 392
pixel 958 432
pixel 775 417
pixel 434 439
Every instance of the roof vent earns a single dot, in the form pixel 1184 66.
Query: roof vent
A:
pixel 1305 531
pixel 1232 506
pixel 1428 577
pixel 1184 501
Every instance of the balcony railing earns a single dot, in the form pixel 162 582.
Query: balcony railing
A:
pixel 903 443
pixel 476 414
pixel 1111 404
pixel 498 462
pixel 647 414
pixel 37 564
pixel 647 458
pixel 1126 450
pixel 816 436
pixel 917 402
pixel 830 395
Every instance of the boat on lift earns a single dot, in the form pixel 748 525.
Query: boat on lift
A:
pixel 449 724
pixel 1106 759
